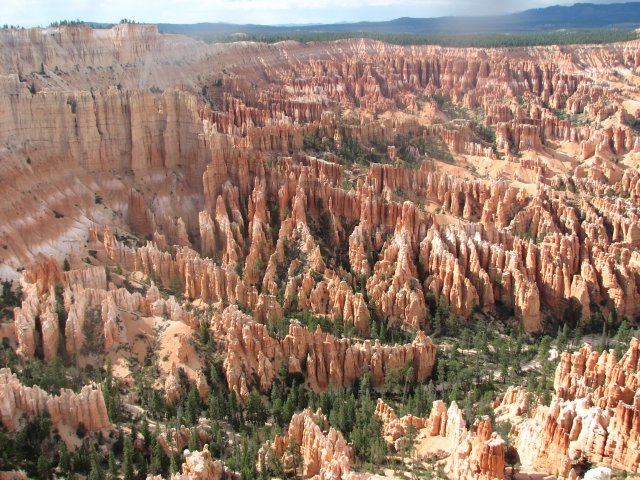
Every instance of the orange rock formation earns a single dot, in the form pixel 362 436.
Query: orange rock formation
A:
pixel 324 453
pixel 594 414
pixel 324 359
pixel 477 453
pixel 68 408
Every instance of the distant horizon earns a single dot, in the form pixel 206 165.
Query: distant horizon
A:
pixel 40 13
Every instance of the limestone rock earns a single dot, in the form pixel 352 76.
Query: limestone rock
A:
pixel 199 465
pixel 592 415
pixel 68 408
pixel 324 454
pixel 172 386
pixel 329 360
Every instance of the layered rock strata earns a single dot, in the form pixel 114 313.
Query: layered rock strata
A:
pixel 323 359
pixel 19 403
pixel 594 415
pixel 476 453
pixel 323 451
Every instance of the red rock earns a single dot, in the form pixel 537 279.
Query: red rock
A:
pixel 329 360
pixel 594 414
pixel 323 455
pixel 68 408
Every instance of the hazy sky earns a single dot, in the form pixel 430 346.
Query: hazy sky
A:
pixel 42 12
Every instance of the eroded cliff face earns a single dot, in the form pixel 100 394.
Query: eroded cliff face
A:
pixel 323 451
pixel 199 465
pixel 324 360
pixel 170 141
pixel 74 158
pixel 192 166
pixel 594 415
pixel 19 403
pixel 475 453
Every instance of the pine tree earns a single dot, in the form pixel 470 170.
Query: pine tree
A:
pixel 127 465
pixel 624 332
pixel 216 445
pixel 110 392
pixel 112 473
pixel 42 466
pixel 216 406
pixel 95 473
pixel 276 411
pixel 577 338
pixel 234 411
pixel 382 333
pixel 256 411
pixel 80 461
pixel 194 443
pixel 63 462
pixel 366 429
pixel 204 332
pixel 141 465
pixel 173 465
pixel 410 435
pixel 192 407
pixel 612 319
pixel 146 433
pixel 563 337
pixel 156 466
pixel 409 379
pixel 543 349
pixel 364 386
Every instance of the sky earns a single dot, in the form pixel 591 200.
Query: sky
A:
pixel 30 13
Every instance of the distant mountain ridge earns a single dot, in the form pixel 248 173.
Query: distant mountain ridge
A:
pixel 577 16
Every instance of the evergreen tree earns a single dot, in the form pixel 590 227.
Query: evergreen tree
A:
pixel 81 461
pixel 364 385
pixel 408 445
pixel 140 465
pixel 624 332
pixel 275 467
pixel 127 464
pixel 366 430
pixel 194 443
pixel 563 337
pixel 110 393
pixel 64 461
pixel 577 338
pixel 216 445
pixel 173 465
pixel 543 349
pixel 409 379
pixel 294 452
pixel 43 467
pixel 277 412
pixel 204 332
pixel 156 463
pixel 612 319
pixel 234 411
pixel 192 407
pixel 623 337
pixel 256 411
pixel 217 406
pixel 112 473
pixel 95 473
pixel 146 433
